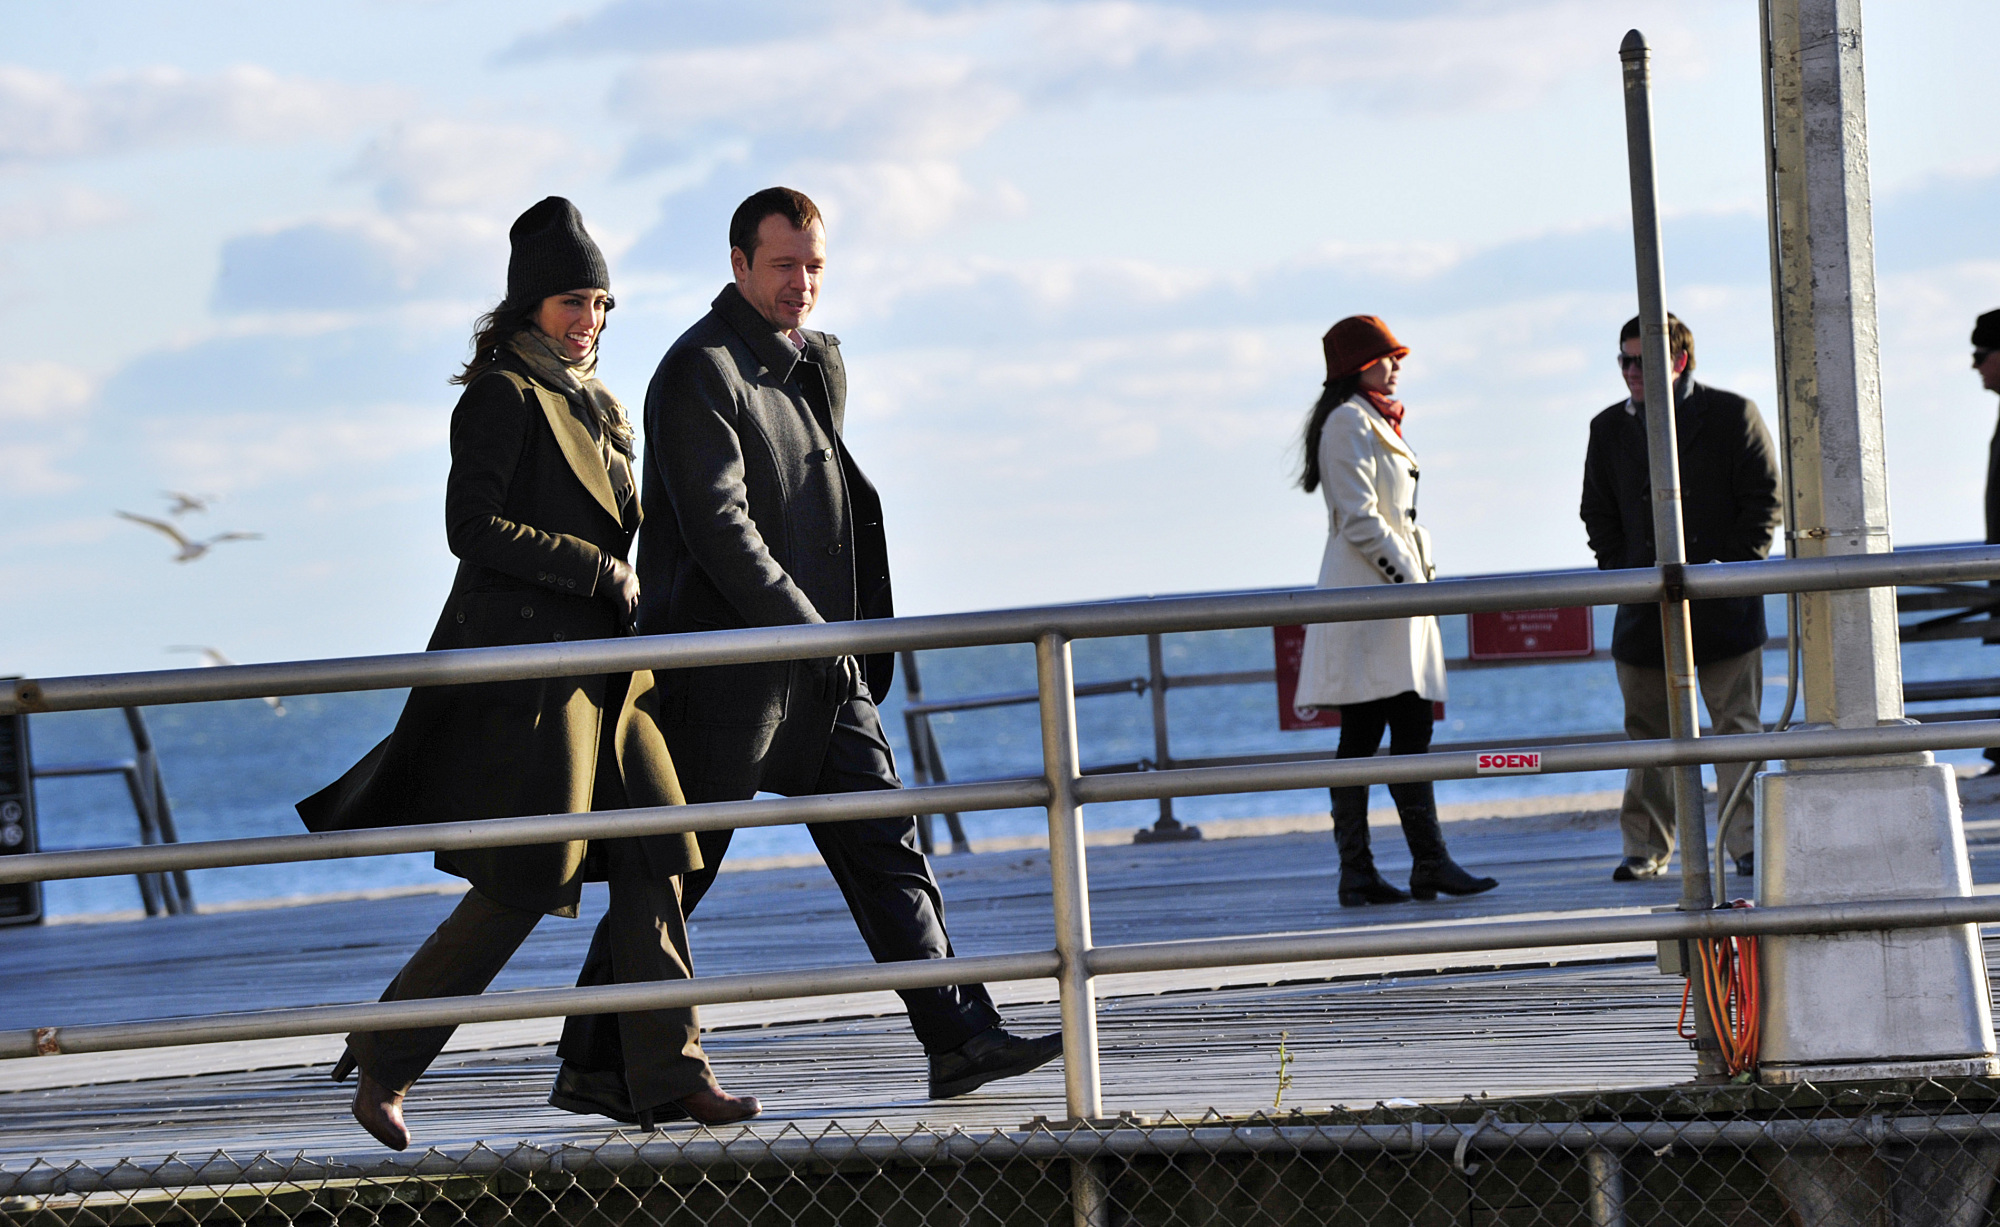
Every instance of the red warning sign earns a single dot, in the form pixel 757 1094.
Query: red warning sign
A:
pixel 1513 762
pixel 1289 643
pixel 1524 634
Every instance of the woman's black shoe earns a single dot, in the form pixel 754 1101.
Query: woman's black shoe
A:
pixel 1429 877
pixel 1361 889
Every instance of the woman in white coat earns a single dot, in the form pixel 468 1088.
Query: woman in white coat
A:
pixel 1385 673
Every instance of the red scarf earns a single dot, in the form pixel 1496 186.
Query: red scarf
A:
pixel 1391 410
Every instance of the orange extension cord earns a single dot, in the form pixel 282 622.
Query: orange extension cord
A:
pixel 1729 973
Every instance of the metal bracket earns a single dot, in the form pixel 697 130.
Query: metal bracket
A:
pixel 1674 576
pixel 1821 534
pixel 1465 1139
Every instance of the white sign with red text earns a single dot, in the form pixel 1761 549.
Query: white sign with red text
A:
pixel 1511 762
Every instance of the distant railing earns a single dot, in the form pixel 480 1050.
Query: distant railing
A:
pixel 1965 607
pixel 1062 789
pixel 160 894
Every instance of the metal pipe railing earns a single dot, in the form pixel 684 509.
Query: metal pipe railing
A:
pixel 1062 790
pixel 989 795
pixel 993 794
pixel 1036 965
pixel 1104 619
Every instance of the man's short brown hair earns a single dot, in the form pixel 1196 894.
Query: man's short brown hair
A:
pixel 1679 339
pixel 789 203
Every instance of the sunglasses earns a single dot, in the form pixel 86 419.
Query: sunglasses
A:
pixel 1979 356
pixel 1630 362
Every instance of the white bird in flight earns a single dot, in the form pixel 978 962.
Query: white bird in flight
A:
pixel 212 658
pixel 190 549
pixel 184 503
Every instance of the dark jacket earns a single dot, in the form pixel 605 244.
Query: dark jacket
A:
pixel 1729 505
pixel 758 517
pixel 1993 490
pixel 529 509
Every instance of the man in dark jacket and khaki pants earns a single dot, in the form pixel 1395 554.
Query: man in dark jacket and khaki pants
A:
pixel 1729 501
pixel 758 516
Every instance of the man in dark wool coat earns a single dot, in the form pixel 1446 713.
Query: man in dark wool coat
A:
pixel 1986 362
pixel 758 516
pixel 1729 505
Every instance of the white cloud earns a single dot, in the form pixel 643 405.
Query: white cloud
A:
pixel 449 165
pixel 35 469
pixel 896 82
pixel 38 391
pixel 44 116
pixel 45 407
pixel 238 451
pixel 362 261
pixel 39 214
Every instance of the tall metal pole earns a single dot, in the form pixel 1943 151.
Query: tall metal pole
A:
pixel 1068 876
pixel 1090 1194
pixel 1669 541
pixel 1859 1005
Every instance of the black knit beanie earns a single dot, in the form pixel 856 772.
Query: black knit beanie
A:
pixel 1986 331
pixel 552 253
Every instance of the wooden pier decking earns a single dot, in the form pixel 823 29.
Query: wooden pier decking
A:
pixel 1423 1028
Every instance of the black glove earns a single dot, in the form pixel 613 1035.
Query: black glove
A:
pixel 842 682
pixel 616 583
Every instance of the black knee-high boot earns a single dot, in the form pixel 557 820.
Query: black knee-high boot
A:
pixel 1432 870
pixel 1359 882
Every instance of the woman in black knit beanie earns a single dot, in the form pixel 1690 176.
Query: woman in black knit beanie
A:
pixel 541 510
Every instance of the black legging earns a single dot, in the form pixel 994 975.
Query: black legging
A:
pixel 1407 716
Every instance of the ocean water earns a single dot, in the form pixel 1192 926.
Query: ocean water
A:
pixel 235 769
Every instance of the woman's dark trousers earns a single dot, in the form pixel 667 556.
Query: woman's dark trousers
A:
pixel 883 875
pixel 1432 871
pixel 1407 717
pixel 646 939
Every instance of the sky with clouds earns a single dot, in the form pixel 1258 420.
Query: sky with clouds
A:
pixel 1081 257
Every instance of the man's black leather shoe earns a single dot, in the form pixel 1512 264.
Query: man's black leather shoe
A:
pixel 990 1055
pixel 1638 869
pixel 601 1093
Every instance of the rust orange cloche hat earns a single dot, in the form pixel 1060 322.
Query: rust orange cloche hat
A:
pixel 1358 342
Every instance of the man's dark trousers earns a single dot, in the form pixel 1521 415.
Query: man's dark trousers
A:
pixel 882 873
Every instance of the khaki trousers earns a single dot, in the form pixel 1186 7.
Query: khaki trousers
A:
pixel 647 939
pixel 1733 692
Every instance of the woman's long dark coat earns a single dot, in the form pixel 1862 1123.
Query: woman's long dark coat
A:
pixel 530 510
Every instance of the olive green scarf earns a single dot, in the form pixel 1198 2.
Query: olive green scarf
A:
pixel 578 380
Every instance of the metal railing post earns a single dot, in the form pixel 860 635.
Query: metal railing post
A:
pixel 1069 880
pixel 156 809
pixel 924 758
pixel 1606 1169
pixel 1669 541
pixel 1167 828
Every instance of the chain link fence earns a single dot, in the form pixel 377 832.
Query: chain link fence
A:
pixel 1881 1153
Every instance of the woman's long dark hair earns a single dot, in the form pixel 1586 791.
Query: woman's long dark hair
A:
pixel 491 330
pixel 1333 397
pixel 489 336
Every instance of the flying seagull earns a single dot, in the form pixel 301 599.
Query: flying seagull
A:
pixel 212 658
pixel 184 503
pixel 190 550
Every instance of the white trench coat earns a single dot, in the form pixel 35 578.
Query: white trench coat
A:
pixel 1369 477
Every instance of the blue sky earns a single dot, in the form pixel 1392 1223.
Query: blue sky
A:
pixel 1082 254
